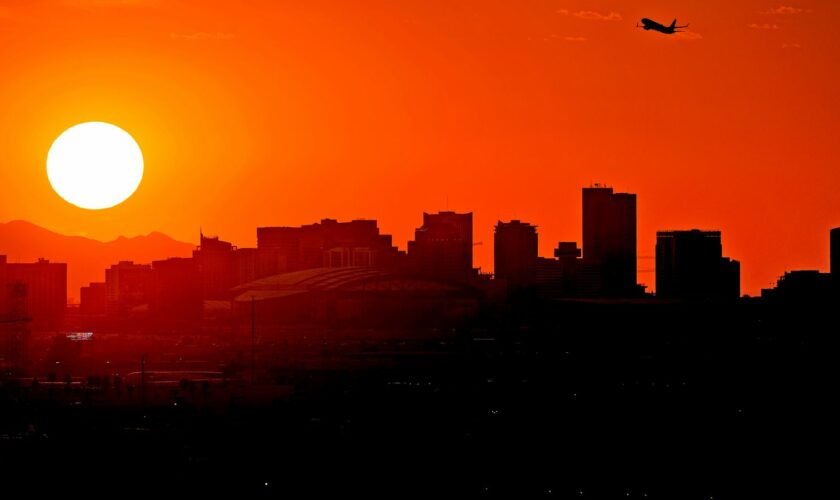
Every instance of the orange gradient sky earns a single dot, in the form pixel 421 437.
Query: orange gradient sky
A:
pixel 281 113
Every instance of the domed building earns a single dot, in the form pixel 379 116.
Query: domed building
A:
pixel 357 296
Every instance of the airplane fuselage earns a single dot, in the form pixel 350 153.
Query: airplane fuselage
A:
pixel 648 24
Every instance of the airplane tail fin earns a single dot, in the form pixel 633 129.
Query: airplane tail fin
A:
pixel 674 24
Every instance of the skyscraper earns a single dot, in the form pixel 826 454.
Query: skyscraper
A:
pixel 45 285
pixel 127 285
pixel 328 243
pixel 690 264
pixel 176 289
pixel 442 246
pixel 515 253
pixel 216 261
pixel 835 253
pixel 609 240
pixel 93 299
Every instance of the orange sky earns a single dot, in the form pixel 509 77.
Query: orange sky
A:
pixel 281 113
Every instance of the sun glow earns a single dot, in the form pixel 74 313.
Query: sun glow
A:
pixel 95 165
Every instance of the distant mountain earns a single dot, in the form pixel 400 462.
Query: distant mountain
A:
pixel 86 259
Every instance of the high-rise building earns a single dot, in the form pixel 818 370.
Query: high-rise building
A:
pixel 328 243
pixel 14 322
pixel 127 285
pixel 561 276
pixel 177 289
pixel 442 246
pixel 690 264
pixel 730 277
pixel 93 299
pixel 252 264
pixel 609 239
pixel 835 253
pixel 515 253
pixel 45 285
pixel 216 261
pixel 568 253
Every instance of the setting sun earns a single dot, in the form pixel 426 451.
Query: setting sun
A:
pixel 95 165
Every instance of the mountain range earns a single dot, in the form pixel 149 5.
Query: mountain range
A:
pixel 86 258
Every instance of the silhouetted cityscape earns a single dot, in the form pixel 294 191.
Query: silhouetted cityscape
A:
pixel 329 333
pixel 290 264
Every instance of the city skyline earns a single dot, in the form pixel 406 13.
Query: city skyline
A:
pixel 645 262
pixel 257 120
pixel 646 254
pixel 690 264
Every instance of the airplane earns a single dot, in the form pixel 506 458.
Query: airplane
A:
pixel 647 24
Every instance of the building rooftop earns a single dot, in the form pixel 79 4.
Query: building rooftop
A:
pixel 337 278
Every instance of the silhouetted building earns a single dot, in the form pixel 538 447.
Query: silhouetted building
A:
pixel 354 296
pixel 14 295
pixel 609 240
pixel 128 285
pixel 801 286
pixel 552 279
pixel 690 264
pixel 216 261
pixel 835 253
pixel 251 264
pixel 14 324
pixel 557 277
pixel 328 243
pixel 731 277
pixel 45 285
pixel 442 246
pixel 282 245
pixel 177 289
pixel 515 253
pixel 568 253
pixel 93 299
pixel 4 306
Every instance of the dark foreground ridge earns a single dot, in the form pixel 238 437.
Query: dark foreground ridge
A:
pixel 568 399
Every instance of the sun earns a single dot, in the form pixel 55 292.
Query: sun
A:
pixel 95 165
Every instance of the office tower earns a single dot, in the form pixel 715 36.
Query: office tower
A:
pixel 127 285
pixel 328 243
pixel 609 240
pixel 45 285
pixel 690 264
pixel 442 246
pixel 177 289
pixel 216 261
pixel 515 253
pixel 93 299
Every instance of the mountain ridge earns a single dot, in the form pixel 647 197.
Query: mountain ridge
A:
pixel 86 258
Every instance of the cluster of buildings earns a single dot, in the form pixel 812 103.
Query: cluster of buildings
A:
pixel 219 271
pixel 339 270
pixel 809 285
pixel 689 264
pixel 604 267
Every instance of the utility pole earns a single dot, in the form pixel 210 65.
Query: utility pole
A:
pixel 253 346
pixel 143 379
